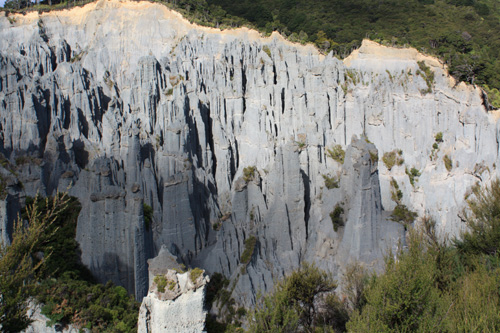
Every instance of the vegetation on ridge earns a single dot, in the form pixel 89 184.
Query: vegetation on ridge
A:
pixel 462 33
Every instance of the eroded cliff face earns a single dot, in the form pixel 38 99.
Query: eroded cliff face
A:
pixel 226 136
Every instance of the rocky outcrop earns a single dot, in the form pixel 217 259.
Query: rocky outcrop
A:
pixel 225 134
pixel 176 300
pixel 370 232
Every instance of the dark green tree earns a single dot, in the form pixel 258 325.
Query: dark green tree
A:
pixel 483 222
pixel 19 266
pixel 302 301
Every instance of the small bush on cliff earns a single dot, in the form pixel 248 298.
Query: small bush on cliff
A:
pixel 403 215
pixel 373 156
pixel 249 173
pixel 413 175
pixel 336 153
pixel 161 283
pixel 427 74
pixel 331 182
pixel 148 215
pixel 195 273
pixel 246 256
pixel 448 163
pixel 438 137
pixel 393 158
pixel 266 49
pixel 336 217
pixel 396 193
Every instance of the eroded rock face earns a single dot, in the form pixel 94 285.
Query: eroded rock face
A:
pixel 175 301
pixel 131 104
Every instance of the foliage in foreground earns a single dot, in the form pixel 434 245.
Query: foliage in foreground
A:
pixel 304 300
pixel 102 308
pixel 483 220
pixel 42 262
pixel 435 287
pixel 429 285
pixel 19 268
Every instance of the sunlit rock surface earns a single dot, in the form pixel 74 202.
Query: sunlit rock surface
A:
pixel 129 103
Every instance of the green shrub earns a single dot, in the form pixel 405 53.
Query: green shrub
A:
pixel 392 158
pixel 483 222
pixel 266 49
pixel 61 234
pixel 195 273
pixel 476 302
pixel 355 280
pixel 493 96
pixel 413 174
pixel 391 78
pixel 351 75
pixel 59 280
pixel 405 297
pixel 95 306
pixel 396 193
pixel 427 74
pixel 181 269
pixel 373 156
pixel 438 138
pixel 20 160
pixel 249 173
pixel 336 217
pixel 301 145
pixel 19 273
pixel 448 163
pixel 241 312
pixel 336 153
pixel 171 285
pixel 403 215
pixel 432 286
pixel 148 215
pixel 331 182
pixel 298 304
pixel 247 254
pixel 4 162
pixel 161 283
